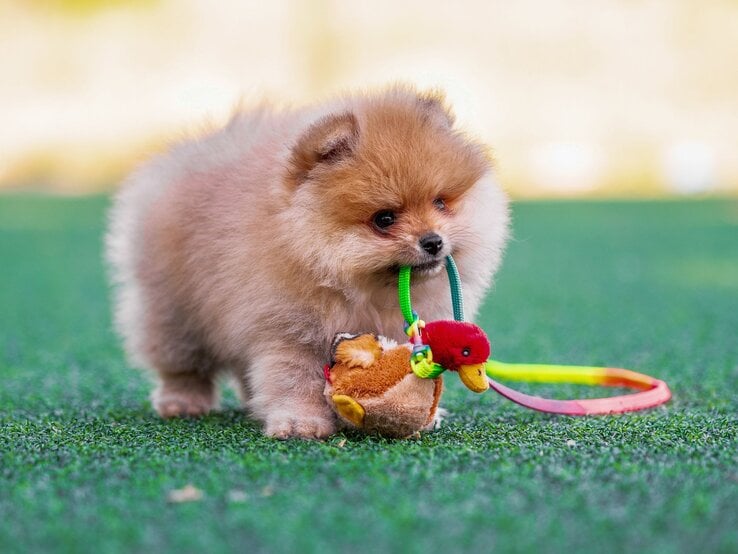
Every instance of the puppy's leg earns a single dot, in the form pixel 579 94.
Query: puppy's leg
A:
pixel 184 394
pixel 286 392
pixel 186 373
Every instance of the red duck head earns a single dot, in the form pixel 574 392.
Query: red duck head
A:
pixel 460 346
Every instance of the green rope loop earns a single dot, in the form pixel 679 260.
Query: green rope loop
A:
pixel 457 297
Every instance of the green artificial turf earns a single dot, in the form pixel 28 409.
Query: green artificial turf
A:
pixel 85 466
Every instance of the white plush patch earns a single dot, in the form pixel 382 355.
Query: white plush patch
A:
pixel 362 358
pixel 386 343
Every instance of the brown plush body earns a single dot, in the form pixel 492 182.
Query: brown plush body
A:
pixel 372 387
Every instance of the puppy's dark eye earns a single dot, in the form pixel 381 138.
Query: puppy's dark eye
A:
pixel 384 219
pixel 440 203
pixel 466 352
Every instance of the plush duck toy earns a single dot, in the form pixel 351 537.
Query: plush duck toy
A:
pixel 371 384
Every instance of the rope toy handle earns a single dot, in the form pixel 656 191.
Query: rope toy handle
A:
pixel 454 280
pixel 457 296
pixel 652 392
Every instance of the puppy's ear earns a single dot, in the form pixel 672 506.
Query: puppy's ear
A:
pixel 326 142
pixel 434 108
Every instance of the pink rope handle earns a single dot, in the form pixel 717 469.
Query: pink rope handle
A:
pixel 653 392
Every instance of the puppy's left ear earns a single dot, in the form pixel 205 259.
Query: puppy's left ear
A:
pixel 326 142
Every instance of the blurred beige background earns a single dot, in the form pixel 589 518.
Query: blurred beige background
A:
pixel 600 98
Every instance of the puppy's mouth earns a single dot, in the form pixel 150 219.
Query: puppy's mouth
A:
pixel 423 269
pixel 427 268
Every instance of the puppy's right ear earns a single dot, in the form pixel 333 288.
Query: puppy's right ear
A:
pixel 434 106
pixel 326 142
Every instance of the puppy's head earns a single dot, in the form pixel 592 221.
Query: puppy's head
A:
pixel 386 181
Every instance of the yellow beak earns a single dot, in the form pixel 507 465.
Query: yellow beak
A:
pixel 474 377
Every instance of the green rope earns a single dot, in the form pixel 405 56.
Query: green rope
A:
pixel 403 291
pixel 457 297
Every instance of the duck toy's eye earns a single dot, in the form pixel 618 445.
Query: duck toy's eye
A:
pixel 466 352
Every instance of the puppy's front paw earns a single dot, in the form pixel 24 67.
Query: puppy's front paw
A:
pixel 181 404
pixel 435 424
pixel 286 425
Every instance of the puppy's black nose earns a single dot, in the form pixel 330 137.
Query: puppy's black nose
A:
pixel 431 243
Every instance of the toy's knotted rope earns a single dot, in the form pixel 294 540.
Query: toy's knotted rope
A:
pixel 653 392
pixel 421 359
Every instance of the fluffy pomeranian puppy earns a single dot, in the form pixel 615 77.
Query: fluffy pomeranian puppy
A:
pixel 246 250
